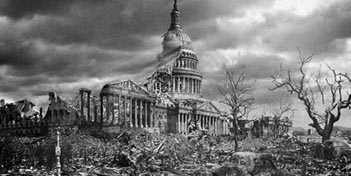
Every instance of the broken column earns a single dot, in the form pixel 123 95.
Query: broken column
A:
pixel 89 92
pixel 82 105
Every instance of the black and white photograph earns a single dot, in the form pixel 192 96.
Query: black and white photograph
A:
pixel 175 87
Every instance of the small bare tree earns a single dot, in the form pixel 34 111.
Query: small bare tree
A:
pixel 324 101
pixel 236 93
pixel 278 111
pixel 283 107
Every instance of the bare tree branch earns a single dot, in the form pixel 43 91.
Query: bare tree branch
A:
pixel 236 93
pixel 324 120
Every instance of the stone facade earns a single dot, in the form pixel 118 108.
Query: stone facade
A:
pixel 267 127
pixel 169 100
pixel 60 112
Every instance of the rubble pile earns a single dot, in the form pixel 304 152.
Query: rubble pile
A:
pixel 299 158
pixel 113 154
pixel 130 154
pixel 143 153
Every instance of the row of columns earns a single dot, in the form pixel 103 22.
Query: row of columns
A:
pixel 215 125
pixel 265 128
pixel 186 85
pixel 142 116
pixel 226 127
pixel 85 106
pixel 127 110
pixel 183 122
pixel 186 63
pixel 59 116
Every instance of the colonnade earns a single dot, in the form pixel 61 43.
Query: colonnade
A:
pixel 58 112
pixel 266 127
pixel 214 124
pixel 186 85
pixel 127 110
pixel 186 63
pixel 60 116
pixel 82 103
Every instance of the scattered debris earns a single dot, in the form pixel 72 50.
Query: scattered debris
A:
pixel 144 153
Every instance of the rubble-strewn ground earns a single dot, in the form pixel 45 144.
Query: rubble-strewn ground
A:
pixel 142 153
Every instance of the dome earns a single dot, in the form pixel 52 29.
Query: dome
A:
pixel 174 39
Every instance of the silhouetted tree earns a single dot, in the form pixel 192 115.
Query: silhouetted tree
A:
pixel 324 101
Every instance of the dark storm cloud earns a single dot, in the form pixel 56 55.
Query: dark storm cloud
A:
pixel 116 24
pixel 111 24
pixel 124 25
pixel 52 48
pixel 8 87
pixel 316 33
pixel 12 84
pixel 17 9
pixel 33 73
pixel 23 59
pixel 17 54
pixel 73 66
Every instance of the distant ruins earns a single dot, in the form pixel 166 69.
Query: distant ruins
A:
pixel 20 118
pixel 266 127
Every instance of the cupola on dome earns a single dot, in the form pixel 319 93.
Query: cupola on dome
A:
pixel 175 37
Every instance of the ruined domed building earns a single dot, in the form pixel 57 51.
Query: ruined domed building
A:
pixel 169 101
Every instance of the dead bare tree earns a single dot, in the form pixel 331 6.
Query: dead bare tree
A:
pixel 236 93
pixel 324 102
pixel 282 108
pixel 279 110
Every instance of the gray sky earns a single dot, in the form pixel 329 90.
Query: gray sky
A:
pixel 62 45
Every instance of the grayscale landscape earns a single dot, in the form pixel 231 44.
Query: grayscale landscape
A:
pixel 175 87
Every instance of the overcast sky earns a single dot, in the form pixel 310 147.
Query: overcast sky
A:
pixel 62 45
